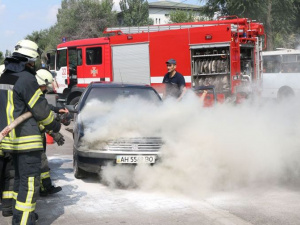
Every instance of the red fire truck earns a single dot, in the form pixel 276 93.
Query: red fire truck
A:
pixel 225 54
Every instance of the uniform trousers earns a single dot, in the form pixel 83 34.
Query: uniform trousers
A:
pixel 26 186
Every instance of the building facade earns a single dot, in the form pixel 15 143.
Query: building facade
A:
pixel 160 11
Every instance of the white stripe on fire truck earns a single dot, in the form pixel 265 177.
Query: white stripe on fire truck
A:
pixel 87 80
pixel 158 80
pixel 154 80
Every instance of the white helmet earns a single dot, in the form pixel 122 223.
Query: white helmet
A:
pixel 2 67
pixel 44 77
pixel 28 49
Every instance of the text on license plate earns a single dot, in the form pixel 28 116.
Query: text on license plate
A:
pixel 135 159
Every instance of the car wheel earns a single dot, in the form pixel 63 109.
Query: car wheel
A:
pixel 78 173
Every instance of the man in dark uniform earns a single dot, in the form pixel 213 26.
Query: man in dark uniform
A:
pixel 45 80
pixel 20 93
pixel 7 175
pixel 174 81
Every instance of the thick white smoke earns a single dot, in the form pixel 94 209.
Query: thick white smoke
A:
pixel 206 149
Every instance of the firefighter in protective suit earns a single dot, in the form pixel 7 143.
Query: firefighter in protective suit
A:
pixel 45 79
pixel 20 93
pixel 7 174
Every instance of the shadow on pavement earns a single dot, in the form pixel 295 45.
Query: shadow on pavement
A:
pixel 53 207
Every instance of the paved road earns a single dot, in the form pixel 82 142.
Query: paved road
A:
pixel 90 202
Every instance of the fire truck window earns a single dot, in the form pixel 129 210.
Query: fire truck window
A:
pixel 61 58
pixel 52 62
pixel 72 58
pixel 272 64
pixel 94 56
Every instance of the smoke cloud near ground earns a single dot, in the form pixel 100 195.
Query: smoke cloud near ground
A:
pixel 205 149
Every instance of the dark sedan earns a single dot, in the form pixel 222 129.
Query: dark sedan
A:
pixel 118 150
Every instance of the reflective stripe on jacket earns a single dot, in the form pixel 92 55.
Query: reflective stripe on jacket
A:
pixel 19 93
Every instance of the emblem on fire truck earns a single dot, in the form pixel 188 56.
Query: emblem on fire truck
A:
pixel 94 71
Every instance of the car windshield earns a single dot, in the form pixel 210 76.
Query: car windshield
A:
pixel 111 94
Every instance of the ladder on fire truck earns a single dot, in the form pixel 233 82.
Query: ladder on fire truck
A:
pixel 156 28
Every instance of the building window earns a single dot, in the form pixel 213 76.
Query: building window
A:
pixel 156 21
pixel 159 20
pixel 167 15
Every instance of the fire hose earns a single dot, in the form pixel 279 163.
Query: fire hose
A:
pixel 58 137
pixel 14 124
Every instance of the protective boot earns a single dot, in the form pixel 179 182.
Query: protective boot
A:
pixel 7 207
pixel 7 213
pixel 50 191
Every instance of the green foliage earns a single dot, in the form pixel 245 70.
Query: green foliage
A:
pixel 1 57
pixel 84 18
pixel 135 13
pixel 40 37
pixel 182 16
pixel 280 18
pixel 76 19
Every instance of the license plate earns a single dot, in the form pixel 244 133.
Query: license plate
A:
pixel 135 159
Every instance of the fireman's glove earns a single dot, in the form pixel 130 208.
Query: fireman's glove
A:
pixel 58 138
pixel 65 118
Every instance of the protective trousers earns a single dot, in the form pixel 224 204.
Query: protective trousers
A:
pixel 26 187
pixel 46 182
pixel 7 174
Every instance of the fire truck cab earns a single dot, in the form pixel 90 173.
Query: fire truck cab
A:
pixel 225 54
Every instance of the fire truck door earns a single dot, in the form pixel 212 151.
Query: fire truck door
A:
pixel 92 65
pixel 61 70
pixel 80 67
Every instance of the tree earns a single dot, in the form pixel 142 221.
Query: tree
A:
pixel 84 18
pixel 135 12
pixel 1 57
pixel 272 13
pixel 76 19
pixel 182 16
pixel 39 37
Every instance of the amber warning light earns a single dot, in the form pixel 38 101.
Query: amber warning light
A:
pixel 208 37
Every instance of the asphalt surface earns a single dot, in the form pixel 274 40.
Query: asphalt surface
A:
pixel 88 201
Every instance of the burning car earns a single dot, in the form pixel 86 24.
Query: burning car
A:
pixel 89 157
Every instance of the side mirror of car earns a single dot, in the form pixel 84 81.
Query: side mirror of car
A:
pixel 72 108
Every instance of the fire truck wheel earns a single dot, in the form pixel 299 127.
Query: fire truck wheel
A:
pixel 284 93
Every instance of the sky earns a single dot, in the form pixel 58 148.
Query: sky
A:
pixel 20 18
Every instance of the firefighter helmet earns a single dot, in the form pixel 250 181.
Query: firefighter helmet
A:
pixel 28 49
pixel 44 77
